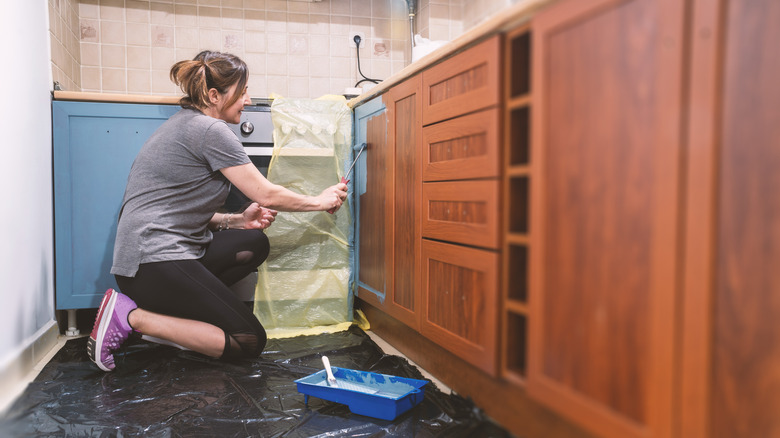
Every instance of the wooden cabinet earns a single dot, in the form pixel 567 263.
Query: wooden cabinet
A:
pixel 604 253
pixel 461 304
pixel 388 202
pixel 464 83
pixel 731 333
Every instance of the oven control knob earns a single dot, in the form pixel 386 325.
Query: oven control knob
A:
pixel 247 128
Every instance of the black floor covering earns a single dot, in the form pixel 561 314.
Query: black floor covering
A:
pixel 160 391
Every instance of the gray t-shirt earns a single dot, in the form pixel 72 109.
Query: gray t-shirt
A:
pixel 173 190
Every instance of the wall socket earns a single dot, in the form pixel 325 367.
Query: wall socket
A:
pixel 362 36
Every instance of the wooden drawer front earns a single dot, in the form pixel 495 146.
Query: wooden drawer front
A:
pixel 462 148
pixel 465 83
pixel 462 212
pixel 460 290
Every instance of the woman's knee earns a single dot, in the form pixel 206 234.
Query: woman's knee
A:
pixel 257 248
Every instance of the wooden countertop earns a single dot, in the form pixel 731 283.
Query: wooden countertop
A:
pixel 506 19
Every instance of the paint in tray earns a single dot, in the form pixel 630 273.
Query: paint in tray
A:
pixel 371 394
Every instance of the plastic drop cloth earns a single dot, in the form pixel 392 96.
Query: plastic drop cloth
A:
pixel 304 283
pixel 160 391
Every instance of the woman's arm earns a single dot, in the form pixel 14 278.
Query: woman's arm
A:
pixel 254 185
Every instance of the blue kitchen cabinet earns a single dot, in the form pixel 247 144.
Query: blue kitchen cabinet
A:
pixel 94 147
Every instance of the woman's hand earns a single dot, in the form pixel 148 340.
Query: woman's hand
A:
pixel 333 197
pixel 257 217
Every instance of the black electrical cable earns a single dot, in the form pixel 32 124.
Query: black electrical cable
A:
pixel 357 40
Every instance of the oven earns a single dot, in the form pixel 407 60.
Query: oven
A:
pixel 255 131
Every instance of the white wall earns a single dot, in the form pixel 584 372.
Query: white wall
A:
pixel 26 213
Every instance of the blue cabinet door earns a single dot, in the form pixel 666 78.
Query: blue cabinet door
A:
pixel 94 146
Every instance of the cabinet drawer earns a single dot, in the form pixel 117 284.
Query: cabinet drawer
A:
pixel 460 300
pixel 462 148
pixel 467 82
pixel 462 212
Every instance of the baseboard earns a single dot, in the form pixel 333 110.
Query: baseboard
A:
pixel 14 374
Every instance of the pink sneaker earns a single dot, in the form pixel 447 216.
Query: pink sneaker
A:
pixel 111 328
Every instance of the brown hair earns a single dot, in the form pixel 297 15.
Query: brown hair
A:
pixel 206 71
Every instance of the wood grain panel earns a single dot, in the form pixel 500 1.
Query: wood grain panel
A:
pixel 746 362
pixel 460 301
pixel 374 223
pixel 462 148
pixel 467 82
pixel 464 212
pixel 404 108
pixel 604 212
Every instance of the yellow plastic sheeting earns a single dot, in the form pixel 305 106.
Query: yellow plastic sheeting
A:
pixel 304 282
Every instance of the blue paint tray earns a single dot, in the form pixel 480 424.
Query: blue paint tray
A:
pixel 366 393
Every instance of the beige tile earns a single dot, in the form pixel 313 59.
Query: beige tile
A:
pixel 380 48
pixel 112 32
pixel 254 4
pixel 162 36
pixel 361 8
pixel 139 81
pixel 112 10
pixel 380 8
pixel 139 57
pixel 439 32
pixel 337 84
pixel 213 3
pixel 319 24
pixel 232 4
pixel 297 23
pixel 298 87
pixel 339 26
pixel 277 85
pixel 380 69
pixel 89 31
pixel 298 66
pixel 340 67
pixel 90 78
pixel 298 7
pixel 298 45
pixel 319 66
pixel 255 42
pixel 210 39
pixel 232 19
pixel 208 17
pixel 340 7
pixel 89 9
pixel 182 54
pixel 161 83
pixel 162 14
pixel 322 7
pixel 277 43
pixel 254 20
pixel 112 56
pixel 319 46
pixel 399 30
pixel 138 34
pixel 162 58
pixel 380 28
pixel 320 87
pixel 339 47
pixel 186 15
pixel 186 37
pixel 257 85
pixel 276 5
pixel 359 24
pixel 137 11
pixel 255 62
pixel 276 65
pixel 233 42
pixel 114 80
pixel 276 21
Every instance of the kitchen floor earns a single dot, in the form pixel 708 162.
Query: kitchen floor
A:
pixel 8 396
pixel 157 390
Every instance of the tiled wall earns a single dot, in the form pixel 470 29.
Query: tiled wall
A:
pixel 447 19
pixel 64 38
pixel 293 48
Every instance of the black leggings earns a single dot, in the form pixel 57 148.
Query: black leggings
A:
pixel 198 289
